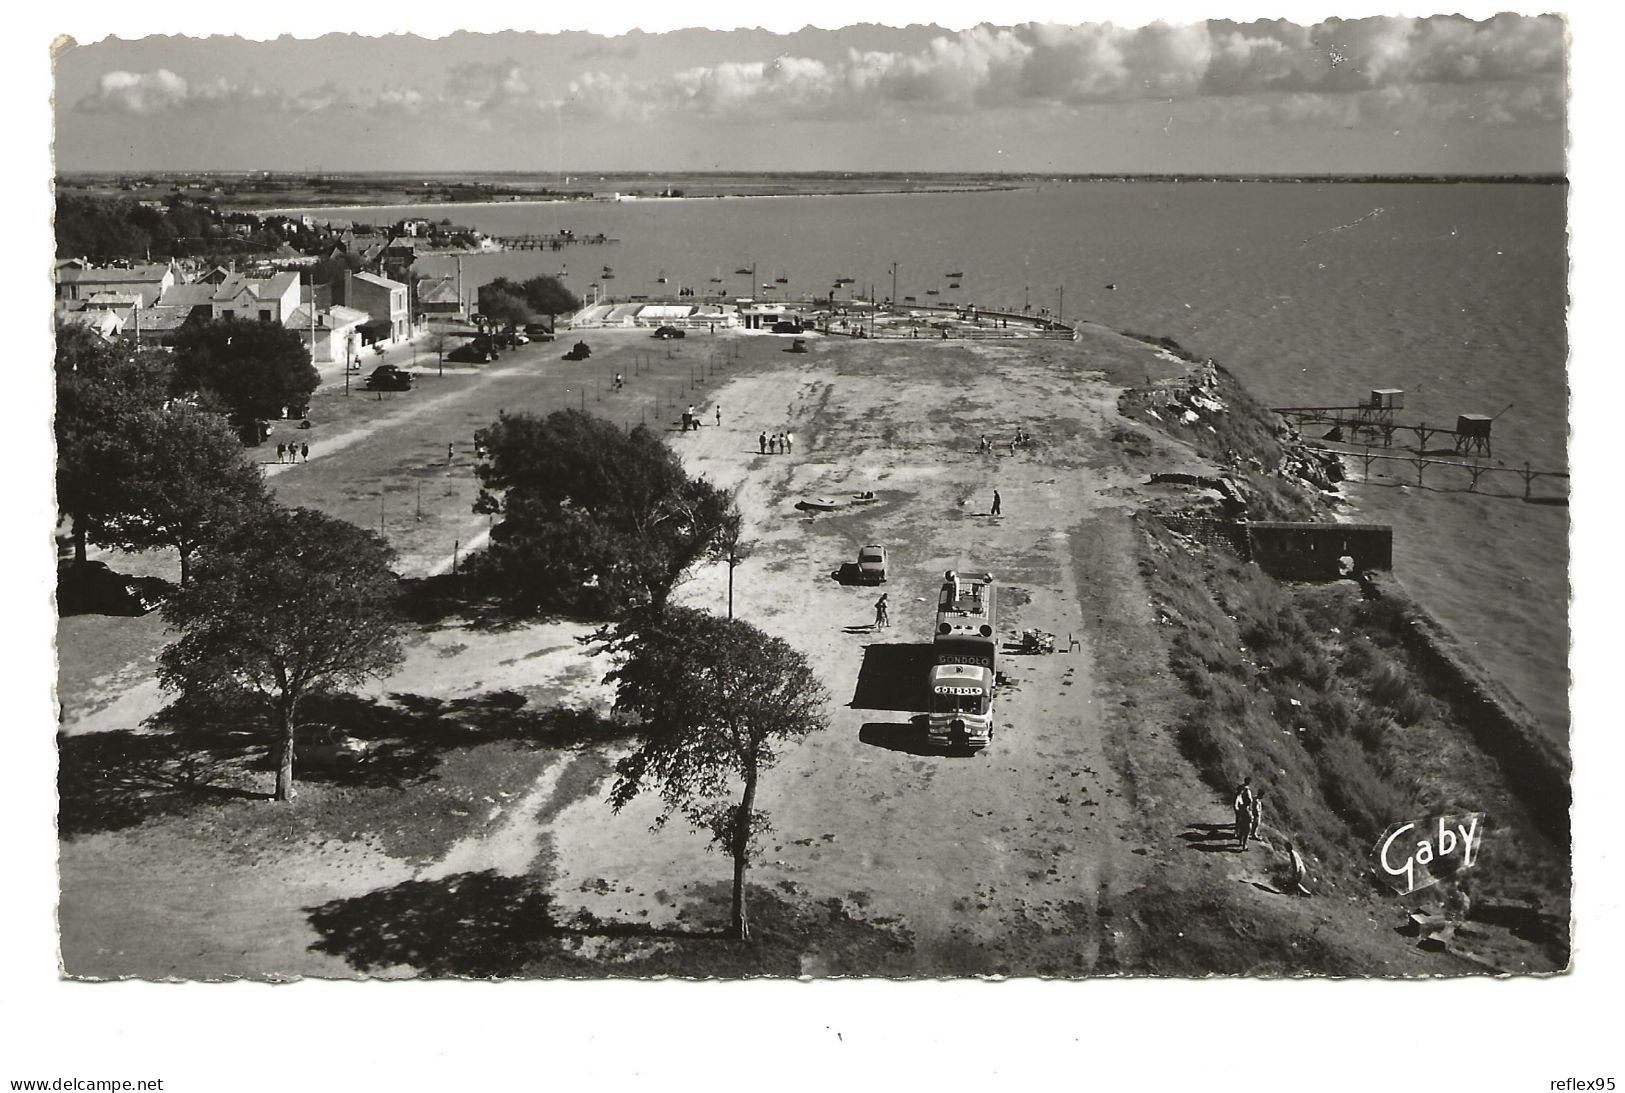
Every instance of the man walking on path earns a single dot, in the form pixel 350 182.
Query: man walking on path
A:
pixel 789 446
pixel 304 453
pixel 448 455
pixel 882 622
pixel 761 443
pixel 997 503
pixel 281 450
pixel 719 415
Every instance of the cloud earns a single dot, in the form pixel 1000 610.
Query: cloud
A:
pixel 122 92
pixel 1048 64
pixel 1393 67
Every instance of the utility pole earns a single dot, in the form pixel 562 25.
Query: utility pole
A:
pixel 1060 302
pixel 894 284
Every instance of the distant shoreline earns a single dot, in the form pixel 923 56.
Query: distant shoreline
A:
pixel 521 199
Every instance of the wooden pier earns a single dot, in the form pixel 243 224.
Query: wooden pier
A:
pixel 1423 462
pixel 553 242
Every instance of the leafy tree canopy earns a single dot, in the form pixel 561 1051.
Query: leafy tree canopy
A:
pixel 716 699
pixel 593 519
pixel 188 484
pixel 100 388
pixel 254 368
pixel 548 296
pixel 291 603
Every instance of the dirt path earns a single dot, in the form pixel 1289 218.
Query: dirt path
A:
pixel 995 863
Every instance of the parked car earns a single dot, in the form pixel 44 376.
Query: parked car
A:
pixel 670 332
pixel 787 328
pixel 325 746
pixel 872 564
pixel 538 332
pixel 387 377
pixel 95 589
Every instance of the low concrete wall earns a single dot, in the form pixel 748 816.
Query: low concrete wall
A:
pixel 1312 551
pixel 1536 769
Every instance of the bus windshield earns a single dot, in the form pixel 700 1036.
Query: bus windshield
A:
pixel 970 702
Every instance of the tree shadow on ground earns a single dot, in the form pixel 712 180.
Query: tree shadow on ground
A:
pixel 892 677
pixel 408 734
pixel 109 781
pixel 204 752
pixel 485 925
pixel 469 600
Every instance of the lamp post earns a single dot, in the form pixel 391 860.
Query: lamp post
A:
pixel 894 284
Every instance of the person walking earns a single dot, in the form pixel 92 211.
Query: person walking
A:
pixel 882 621
pixel 789 442
pixel 304 453
pixel 761 443
pixel 719 416
pixel 448 455
pixel 281 450
pixel 998 503
pixel 1242 805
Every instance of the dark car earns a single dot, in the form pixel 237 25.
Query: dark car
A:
pixel 670 332
pixel 324 746
pixel 387 377
pixel 872 564
pixel 538 332
pixel 95 589
pixel 787 328
pixel 476 351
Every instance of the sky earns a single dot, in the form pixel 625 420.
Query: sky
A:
pixel 1378 94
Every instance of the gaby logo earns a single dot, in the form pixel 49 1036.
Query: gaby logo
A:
pixel 1415 854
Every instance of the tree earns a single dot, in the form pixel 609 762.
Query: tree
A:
pixel 100 388
pixel 717 698
pixel 257 369
pixel 548 296
pixel 291 603
pixel 188 484
pixel 503 303
pixel 593 519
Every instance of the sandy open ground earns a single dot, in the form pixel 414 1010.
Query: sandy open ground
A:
pixel 1004 862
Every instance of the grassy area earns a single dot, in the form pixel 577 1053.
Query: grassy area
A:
pixel 1311 692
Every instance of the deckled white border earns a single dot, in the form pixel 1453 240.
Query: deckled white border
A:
pixel 1154 1035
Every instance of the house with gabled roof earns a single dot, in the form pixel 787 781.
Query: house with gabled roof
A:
pixel 270 298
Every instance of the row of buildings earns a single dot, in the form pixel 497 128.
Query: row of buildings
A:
pixel 152 302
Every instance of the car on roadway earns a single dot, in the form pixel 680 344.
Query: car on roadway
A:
pixel 538 332
pixel 326 746
pixel 872 564
pixel 387 377
pixel 665 332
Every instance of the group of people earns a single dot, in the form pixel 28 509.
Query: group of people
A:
pixel 1248 807
pixel 292 453
pixel 882 619
pixel 1020 440
pixel 777 443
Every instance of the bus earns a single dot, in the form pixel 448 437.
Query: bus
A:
pixel 964 662
pixel 967 621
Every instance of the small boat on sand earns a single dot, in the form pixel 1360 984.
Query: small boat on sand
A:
pixel 835 504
